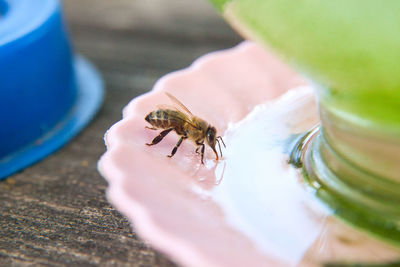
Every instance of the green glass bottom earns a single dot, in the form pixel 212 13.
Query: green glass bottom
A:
pixel 355 195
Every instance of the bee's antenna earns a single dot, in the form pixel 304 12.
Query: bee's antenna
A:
pixel 220 151
pixel 221 140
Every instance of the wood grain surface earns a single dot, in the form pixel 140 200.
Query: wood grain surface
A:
pixel 55 213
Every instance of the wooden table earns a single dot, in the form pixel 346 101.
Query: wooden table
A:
pixel 55 213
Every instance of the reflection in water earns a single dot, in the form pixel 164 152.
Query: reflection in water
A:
pixel 263 196
pixel 220 172
pixel 210 174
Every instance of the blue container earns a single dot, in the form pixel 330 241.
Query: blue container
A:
pixel 47 94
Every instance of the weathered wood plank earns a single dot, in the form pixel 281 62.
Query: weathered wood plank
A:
pixel 176 17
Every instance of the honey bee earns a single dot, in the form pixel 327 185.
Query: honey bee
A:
pixel 178 118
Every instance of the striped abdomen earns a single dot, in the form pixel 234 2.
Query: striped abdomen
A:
pixel 166 118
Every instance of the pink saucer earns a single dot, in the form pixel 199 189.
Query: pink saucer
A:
pixel 230 212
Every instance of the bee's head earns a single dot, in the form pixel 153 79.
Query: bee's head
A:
pixel 212 139
pixel 211 136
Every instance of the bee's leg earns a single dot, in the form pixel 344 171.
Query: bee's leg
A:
pixel 176 146
pixel 160 137
pixel 151 128
pixel 199 144
pixel 202 153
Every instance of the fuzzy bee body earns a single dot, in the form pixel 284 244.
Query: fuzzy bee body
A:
pixel 185 124
pixel 165 119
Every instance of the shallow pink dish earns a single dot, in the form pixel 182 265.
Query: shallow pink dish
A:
pixel 225 213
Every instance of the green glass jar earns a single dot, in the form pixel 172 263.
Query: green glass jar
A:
pixel 351 50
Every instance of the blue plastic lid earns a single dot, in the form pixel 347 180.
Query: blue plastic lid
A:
pixel 47 95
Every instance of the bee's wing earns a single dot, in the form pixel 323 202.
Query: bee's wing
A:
pixel 178 105
pixel 166 106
